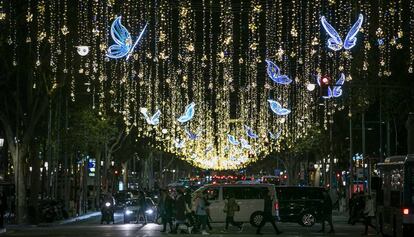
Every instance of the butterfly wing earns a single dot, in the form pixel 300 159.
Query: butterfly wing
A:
pixel 232 140
pixel 283 79
pixel 337 89
pixel 275 136
pixel 350 39
pixel 245 144
pixel 191 135
pixel 335 42
pixel 179 144
pixel 136 41
pixel 119 33
pixel 144 112
pixel 155 119
pixel 121 37
pixel 188 114
pixel 250 133
pixel 277 108
pixel 117 51
pixel 272 69
pixel 329 94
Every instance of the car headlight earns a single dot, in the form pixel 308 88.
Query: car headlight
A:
pixel 107 204
pixel 149 211
pixel 128 212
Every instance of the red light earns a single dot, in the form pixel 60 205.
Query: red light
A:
pixel 285 177
pixel 276 205
pixel 406 211
pixel 338 175
pixel 325 80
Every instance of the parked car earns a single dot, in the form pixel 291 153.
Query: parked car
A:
pixel 132 207
pixel 250 198
pixel 301 205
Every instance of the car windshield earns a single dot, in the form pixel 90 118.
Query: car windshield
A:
pixel 132 202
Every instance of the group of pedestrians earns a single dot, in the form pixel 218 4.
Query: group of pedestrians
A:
pixel 181 210
pixel 362 208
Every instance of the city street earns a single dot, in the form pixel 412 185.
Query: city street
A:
pixel 91 227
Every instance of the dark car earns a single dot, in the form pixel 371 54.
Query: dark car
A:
pixel 132 207
pixel 302 205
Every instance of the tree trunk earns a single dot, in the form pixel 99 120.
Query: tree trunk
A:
pixel 125 174
pixel 98 182
pixel 19 181
pixel 35 189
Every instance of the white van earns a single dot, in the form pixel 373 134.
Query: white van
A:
pixel 250 198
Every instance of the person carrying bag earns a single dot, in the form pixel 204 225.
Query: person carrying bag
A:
pixel 230 207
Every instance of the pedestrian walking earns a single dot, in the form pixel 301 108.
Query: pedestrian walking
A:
pixel 230 207
pixel 267 214
pixel 180 212
pixel 327 212
pixel 142 207
pixel 201 211
pixel 369 213
pixel 165 209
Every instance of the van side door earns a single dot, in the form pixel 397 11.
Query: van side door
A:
pixel 216 204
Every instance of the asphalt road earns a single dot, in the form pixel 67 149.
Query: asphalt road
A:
pixel 91 227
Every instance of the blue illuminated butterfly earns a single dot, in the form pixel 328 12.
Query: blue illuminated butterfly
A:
pixel 277 108
pixel 250 133
pixel 275 136
pixel 188 113
pixel 337 88
pixel 191 135
pixel 335 42
pixel 179 144
pixel 274 73
pixel 123 41
pixel 245 144
pixel 208 149
pixel 154 119
pixel 233 140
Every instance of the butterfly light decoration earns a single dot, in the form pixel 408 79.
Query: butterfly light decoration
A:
pixel 275 136
pixel 208 149
pixel 273 71
pixel 154 119
pixel 245 144
pixel 232 140
pixel 337 88
pixel 277 108
pixel 188 113
pixel 250 133
pixel 179 144
pixel 124 46
pixel 335 42
pixel 191 135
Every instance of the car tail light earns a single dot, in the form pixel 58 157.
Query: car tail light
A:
pixel 406 211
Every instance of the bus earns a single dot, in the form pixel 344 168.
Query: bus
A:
pixel 395 197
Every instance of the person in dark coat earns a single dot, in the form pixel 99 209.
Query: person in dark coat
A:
pixel 142 207
pixel 267 214
pixel 230 207
pixel 181 208
pixel 165 210
pixel 327 212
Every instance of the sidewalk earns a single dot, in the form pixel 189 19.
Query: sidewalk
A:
pixel 56 223
pixel 71 220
